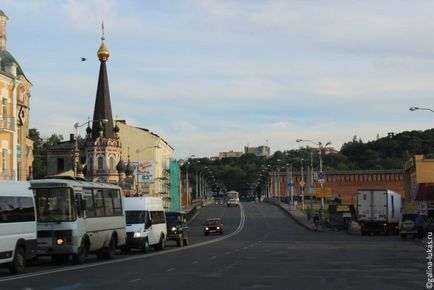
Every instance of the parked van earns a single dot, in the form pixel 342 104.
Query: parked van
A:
pixel 146 223
pixel 17 225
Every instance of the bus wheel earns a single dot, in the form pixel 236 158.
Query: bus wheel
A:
pixel 81 256
pixel 19 262
pixel 111 249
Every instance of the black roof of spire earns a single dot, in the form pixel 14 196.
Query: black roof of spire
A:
pixel 103 109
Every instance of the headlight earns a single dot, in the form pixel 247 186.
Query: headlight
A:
pixel 60 241
pixel 218 228
pixel 173 229
pixel 206 228
pixel 137 234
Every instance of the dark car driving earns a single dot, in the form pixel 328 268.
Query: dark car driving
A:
pixel 213 225
pixel 177 228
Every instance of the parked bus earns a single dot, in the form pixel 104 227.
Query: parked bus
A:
pixel 77 218
pixel 17 225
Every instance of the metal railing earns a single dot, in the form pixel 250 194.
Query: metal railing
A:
pixel 7 123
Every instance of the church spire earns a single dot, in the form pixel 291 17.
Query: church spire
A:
pixel 102 110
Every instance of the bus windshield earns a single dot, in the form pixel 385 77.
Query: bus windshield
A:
pixel 55 205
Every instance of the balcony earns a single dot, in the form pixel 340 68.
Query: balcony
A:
pixel 7 123
pixel 7 175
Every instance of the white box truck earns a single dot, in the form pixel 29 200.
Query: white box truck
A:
pixel 146 223
pixel 378 211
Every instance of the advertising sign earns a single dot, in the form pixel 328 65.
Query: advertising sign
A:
pixel 144 170
pixel 342 208
pixel 423 208
pixel 324 192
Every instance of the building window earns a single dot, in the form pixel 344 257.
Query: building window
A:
pixel 90 169
pixel 60 164
pixel 112 163
pixel 4 107
pixel 100 163
pixel 4 158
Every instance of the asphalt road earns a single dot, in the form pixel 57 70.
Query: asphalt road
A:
pixel 262 248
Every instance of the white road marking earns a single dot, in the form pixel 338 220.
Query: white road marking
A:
pixel 195 262
pixel 213 257
pixel 134 280
pixel 125 259
pixel 171 269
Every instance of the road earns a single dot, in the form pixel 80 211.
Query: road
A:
pixel 262 248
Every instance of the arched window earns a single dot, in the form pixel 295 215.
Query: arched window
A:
pixel 90 169
pixel 100 163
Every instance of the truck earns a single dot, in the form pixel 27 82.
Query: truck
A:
pixel 378 211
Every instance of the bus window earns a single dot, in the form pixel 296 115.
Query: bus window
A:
pixel 108 202
pixel 117 204
pixel 99 203
pixel 55 205
pixel 88 200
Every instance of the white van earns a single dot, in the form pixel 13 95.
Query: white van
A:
pixel 146 223
pixel 17 224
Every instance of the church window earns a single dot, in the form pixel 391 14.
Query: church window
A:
pixel 112 163
pixel 100 163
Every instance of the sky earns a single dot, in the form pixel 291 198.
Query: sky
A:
pixel 217 75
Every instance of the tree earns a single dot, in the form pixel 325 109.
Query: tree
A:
pixel 40 149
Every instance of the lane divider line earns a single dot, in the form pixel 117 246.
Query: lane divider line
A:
pixel 125 259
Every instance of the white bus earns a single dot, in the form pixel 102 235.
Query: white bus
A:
pixel 77 218
pixel 232 198
pixel 17 224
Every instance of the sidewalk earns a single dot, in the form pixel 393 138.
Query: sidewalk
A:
pixel 300 217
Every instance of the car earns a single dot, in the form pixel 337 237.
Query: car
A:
pixel 218 200
pixel 233 202
pixel 177 228
pixel 213 225
pixel 407 225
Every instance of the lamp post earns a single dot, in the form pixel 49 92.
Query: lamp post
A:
pixel 321 175
pixel 76 150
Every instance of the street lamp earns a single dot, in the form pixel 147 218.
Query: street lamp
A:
pixel 76 151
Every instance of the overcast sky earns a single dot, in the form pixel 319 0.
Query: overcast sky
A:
pixel 216 75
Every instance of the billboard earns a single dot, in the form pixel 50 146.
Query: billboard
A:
pixel 144 170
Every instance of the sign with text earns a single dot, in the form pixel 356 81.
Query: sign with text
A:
pixel 144 170
pixel 342 208
pixel 324 192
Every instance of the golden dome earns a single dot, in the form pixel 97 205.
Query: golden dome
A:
pixel 103 52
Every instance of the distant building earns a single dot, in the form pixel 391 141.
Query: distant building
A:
pixel 230 154
pixel 16 148
pixel 258 151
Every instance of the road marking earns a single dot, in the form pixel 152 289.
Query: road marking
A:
pixel 213 257
pixel 126 259
pixel 171 269
pixel 233 264
pixel 134 280
pixel 227 253
pixel 195 262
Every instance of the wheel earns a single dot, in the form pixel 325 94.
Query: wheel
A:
pixel 145 247
pixel 206 234
pixel 81 256
pixel 111 249
pixel 364 233
pixel 185 241
pixel 19 262
pixel 221 233
pixel 161 244
pixel 403 236
pixel 60 258
pixel 108 252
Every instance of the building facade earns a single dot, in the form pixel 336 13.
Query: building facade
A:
pixel 261 151
pixel 230 154
pixel 16 147
pixel 419 179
